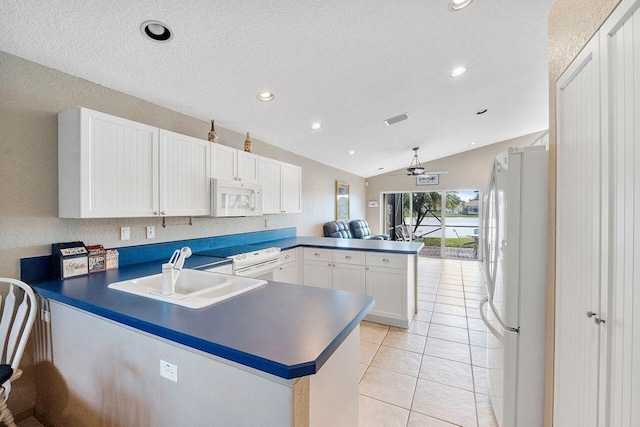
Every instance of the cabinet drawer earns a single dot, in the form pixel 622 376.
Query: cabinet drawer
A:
pixel 318 254
pixel 380 259
pixel 287 256
pixel 348 257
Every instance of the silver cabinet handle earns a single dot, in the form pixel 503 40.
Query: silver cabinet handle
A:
pixel 366 268
pixel 348 257
pixel 385 259
pixel 280 268
pixel 590 314
pixel 317 254
pixel 286 256
pixel 155 212
pixel 163 213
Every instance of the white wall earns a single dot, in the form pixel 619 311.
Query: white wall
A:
pixel 465 171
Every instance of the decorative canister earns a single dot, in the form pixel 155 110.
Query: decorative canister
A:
pixel 112 259
pixel 213 135
pixel 97 258
pixel 247 144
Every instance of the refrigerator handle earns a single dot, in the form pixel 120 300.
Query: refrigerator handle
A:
pixel 493 330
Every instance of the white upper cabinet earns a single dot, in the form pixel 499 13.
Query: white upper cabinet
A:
pixel 111 167
pixel 107 166
pixel 184 175
pixel 232 164
pixel 281 187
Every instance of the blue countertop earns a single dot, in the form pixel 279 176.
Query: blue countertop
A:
pixel 321 242
pixel 285 330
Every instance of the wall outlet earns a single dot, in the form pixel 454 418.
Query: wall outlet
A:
pixel 151 232
pixel 45 316
pixel 169 371
pixel 266 223
pixel 125 233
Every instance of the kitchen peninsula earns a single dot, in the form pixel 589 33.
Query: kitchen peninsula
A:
pixel 282 354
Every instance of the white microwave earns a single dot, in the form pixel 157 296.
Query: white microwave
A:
pixel 235 198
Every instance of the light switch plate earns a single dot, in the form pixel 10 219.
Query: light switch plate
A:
pixel 125 233
pixel 151 232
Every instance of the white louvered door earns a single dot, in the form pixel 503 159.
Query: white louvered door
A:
pixel 578 264
pixel 621 86
pixel 184 175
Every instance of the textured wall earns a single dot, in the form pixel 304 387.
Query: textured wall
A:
pixel 572 23
pixel 31 96
pixel 465 171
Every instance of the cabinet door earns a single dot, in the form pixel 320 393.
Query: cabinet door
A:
pixel 224 162
pixel 271 185
pixel 349 277
pixel 291 188
pixel 389 288
pixel 578 241
pixel 184 175
pixel 317 273
pixel 108 166
pixel 248 165
pixel 287 273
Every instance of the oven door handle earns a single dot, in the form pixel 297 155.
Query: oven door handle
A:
pixel 258 270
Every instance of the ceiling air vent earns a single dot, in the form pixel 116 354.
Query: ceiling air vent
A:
pixel 396 119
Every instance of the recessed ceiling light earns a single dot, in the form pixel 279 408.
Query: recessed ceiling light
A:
pixel 266 96
pixel 156 31
pixel 316 126
pixel 473 143
pixel 351 153
pixel 482 111
pixel 456 5
pixel 458 71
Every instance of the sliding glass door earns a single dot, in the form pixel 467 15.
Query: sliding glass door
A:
pixel 447 222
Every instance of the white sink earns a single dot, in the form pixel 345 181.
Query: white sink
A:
pixel 194 288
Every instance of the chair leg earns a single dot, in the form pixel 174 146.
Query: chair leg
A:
pixel 5 415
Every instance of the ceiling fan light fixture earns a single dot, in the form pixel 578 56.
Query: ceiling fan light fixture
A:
pixel 456 5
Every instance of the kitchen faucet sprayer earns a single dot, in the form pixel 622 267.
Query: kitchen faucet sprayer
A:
pixel 171 270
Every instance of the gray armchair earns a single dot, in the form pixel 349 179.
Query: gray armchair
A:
pixel 360 230
pixel 337 229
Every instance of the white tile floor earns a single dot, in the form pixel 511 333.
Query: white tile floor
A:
pixel 434 373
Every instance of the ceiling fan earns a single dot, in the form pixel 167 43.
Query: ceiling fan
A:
pixel 416 169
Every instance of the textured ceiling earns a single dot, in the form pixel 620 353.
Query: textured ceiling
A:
pixel 347 64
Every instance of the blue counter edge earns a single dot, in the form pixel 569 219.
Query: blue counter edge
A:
pixel 264 365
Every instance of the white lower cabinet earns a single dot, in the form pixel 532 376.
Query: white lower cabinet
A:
pixel 347 277
pixel 289 269
pixel 389 278
pixel 318 274
pixel 389 287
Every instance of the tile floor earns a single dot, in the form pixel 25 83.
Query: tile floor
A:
pixel 435 372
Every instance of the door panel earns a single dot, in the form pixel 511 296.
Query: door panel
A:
pixel 622 84
pixel 577 241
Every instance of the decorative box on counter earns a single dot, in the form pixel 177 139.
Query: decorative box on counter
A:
pixel 112 259
pixel 69 260
pixel 97 258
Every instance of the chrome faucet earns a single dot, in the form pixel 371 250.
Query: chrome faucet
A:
pixel 172 269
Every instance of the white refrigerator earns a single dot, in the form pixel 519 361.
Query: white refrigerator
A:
pixel 515 241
